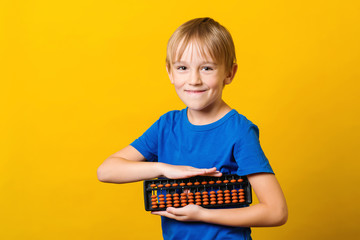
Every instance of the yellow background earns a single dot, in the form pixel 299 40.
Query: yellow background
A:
pixel 82 79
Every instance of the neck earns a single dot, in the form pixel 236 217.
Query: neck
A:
pixel 207 116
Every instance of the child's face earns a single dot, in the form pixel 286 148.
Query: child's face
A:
pixel 198 81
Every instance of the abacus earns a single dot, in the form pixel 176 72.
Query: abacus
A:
pixel 229 190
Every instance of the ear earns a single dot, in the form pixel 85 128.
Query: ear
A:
pixel 169 74
pixel 231 74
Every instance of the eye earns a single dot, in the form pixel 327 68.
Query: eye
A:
pixel 207 68
pixel 181 68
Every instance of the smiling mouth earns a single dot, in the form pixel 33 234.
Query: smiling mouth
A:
pixel 195 91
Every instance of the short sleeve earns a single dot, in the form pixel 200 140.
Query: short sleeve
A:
pixel 248 153
pixel 147 144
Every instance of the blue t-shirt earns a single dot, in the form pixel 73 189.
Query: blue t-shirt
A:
pixel 230 144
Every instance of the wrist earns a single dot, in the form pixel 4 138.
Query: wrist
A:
pixel 159 167
pixel 203 214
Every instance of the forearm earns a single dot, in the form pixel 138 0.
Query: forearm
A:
pixel 259 215
pixel 120 170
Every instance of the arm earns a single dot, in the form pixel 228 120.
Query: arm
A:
pixel 270 211
pixel 129 165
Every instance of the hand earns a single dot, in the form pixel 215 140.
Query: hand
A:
pixel 177 172
pixel 189 213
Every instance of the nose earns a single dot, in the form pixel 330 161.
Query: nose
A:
pixel 194 78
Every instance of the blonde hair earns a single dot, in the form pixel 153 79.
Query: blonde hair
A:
pixel 210 37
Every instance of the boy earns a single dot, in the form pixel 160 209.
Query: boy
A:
pixel 206 138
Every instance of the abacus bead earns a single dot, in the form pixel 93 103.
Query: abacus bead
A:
pixel 233 180
pixel 153 185
pixel 227 201
pixel 204 182
pixel 168 195
pixel 175 194
pixel 189 183
pixel 196 183
pixel 219 191
pixel 168 185
pixel 161 199
pixel 160 185
pixel 198 203
pixel 176 205
pixel 211 182
pixel 154 206
pixel 234 201
pixel 161 195
pixel 153 196
pixel 183 205
pixel 234 190
pixel 183 194
pixel 242 200
pixel 191 194
pixel 218 181
pixel 206 203
pixel 212 192
pixel 205 193
pixel 175 184
pixel 198 193
pixel 240 180
pixel 212 203
pixel 226 191
pixel 162 206
pixel 226 181
pixel 220 202
pixel 212 199
pixel 182 184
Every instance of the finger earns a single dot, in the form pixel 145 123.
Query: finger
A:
pixel 214 174
pixel 166 214
pixel 175 211
pixel 157 212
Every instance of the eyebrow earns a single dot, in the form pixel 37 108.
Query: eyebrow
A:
pixel 181 62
